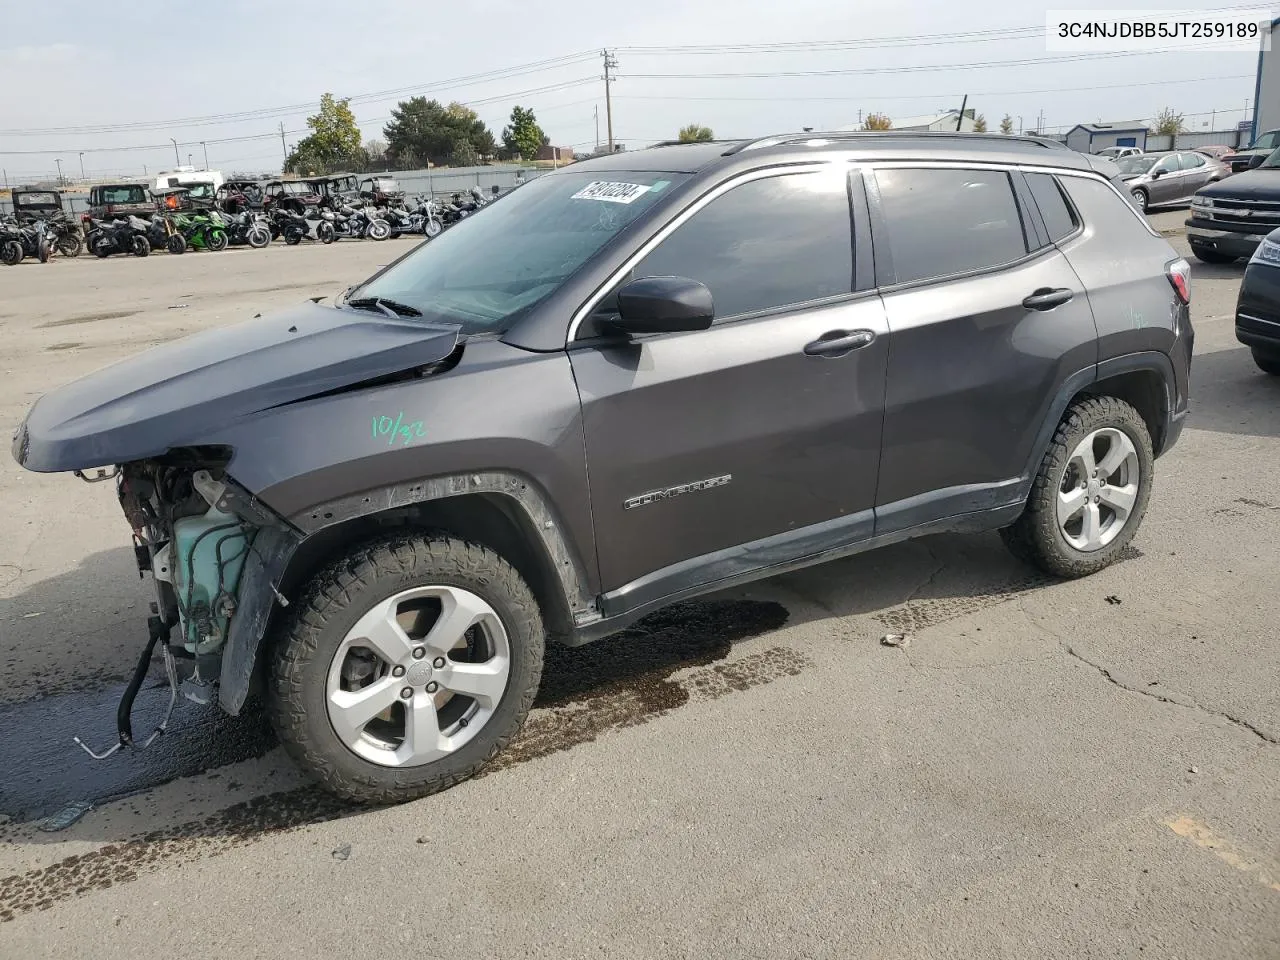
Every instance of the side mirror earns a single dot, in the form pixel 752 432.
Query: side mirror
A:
pixel 663 305
pixel 1158 172
pixel 1256 161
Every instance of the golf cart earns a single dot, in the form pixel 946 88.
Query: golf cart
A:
pixel 380 191
pixel 335 189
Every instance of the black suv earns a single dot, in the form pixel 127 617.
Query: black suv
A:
pixel 1230 218
pixel 636 380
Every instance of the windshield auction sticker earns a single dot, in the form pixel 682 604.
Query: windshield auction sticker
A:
pixel 611 192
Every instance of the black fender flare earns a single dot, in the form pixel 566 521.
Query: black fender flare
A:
pixel 1078 382
pixel 276 546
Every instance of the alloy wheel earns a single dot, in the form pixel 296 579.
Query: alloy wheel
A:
pixel 1099 489
pixel 418 676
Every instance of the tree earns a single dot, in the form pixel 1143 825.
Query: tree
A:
pixel 334 141
pixel 1006 125
pixel 695 133
pixel 523 136
pixel 877 121
pixel 980 124
pixel 376 149
pixel 426 131
pixel 1168 123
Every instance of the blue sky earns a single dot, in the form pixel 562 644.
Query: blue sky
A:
pixel 81 62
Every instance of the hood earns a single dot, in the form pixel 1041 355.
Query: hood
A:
pixel 1250 185
pixel 180 393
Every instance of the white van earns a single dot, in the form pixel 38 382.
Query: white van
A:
pixel 188 177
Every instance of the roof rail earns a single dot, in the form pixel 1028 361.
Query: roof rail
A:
pixel 895 135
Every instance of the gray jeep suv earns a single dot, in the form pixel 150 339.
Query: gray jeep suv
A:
pixel 638 379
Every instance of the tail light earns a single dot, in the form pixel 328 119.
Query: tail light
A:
pixel 1179 273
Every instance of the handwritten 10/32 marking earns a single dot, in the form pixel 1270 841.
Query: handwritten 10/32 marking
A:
pixel 397 429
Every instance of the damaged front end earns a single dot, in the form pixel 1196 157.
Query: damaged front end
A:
pixel 215 554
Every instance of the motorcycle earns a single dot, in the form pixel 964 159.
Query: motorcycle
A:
pixel 200 231
pixel 66 235
pixel 248 228
pixel 11 251
pixel 429 215
pixel 119 236
pixel 296 227
pixel 357 223
pixel 401 221
pixel 37 238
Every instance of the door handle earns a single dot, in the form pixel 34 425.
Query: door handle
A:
pixel 1047 298
pixel 837 343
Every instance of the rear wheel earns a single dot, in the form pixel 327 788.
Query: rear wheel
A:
pixel 292 236
pixel 69 246
pixel 1141 199
pixel 176 244
pixel 1206 255
pixel 141 246
pixel 12 253
pixel 1267 362
pixel 102 247
pixel 407 666
pixel 1091 492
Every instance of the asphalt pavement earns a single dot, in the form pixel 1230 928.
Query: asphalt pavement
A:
pixel 1075 770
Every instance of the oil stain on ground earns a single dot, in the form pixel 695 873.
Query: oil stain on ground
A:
pixel 621 682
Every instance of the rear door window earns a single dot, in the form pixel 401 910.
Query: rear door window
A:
pixel 1059 218
pixel 1191 160
pixel 943 222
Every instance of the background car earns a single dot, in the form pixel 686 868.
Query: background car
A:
pixel 1219 151
pixel 1115 153
pixel 1229 219
pixel 1258 305
pixel 1153 179
pixel 1253 155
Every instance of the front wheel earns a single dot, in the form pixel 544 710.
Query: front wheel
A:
pixel 176 244
pixel 378 230
pixel 1091 491
pixel 217 240
pixel 406 667
pixel 1140 199
pixel 12 253
pixel 259 237
pixel 44 251
pixel 325 232
pixel 1267 362
pixel 69 246
pixel 292 236
pixel 432 228
pixel 141 246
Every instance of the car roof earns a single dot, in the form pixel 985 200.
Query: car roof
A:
pixel 880 145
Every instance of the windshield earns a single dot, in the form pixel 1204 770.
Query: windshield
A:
pixel 492 267
pixel 1271 162
pixel 1136 164
pixel 131 194
pixel 35 199
pixel 297 186
pixel 1267 141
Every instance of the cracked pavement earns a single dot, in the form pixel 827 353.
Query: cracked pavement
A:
pixel 1050 770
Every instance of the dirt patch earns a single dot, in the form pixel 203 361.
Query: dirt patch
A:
pixel 69 345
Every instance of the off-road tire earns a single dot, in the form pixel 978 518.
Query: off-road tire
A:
pixel 176 244
pixel 332 604
pixel 1267 362
pixel 1035 536
pixel 69 246
pixel 1205 255
pixel 141 246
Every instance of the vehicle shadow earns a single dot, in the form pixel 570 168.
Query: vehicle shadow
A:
pixel 1215 271
pixel 620 681
pixel 1229 394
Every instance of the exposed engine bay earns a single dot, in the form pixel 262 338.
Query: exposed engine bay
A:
pixel 192 540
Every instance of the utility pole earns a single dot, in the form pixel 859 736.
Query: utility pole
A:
pixel 206 154
pixel 1040 123
pixel 960 119
pixel 82 176
pixel 59 163
pixel 596 112
pixel 610 63
pixel 1019 126
pixel 859 116
pixel 177 160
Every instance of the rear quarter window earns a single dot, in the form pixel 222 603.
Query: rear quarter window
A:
pixel 1059 218
pixel 1112 216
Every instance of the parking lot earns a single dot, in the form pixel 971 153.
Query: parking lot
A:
pixel 1082 769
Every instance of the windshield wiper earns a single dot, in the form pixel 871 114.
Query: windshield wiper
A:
pixel 392 308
